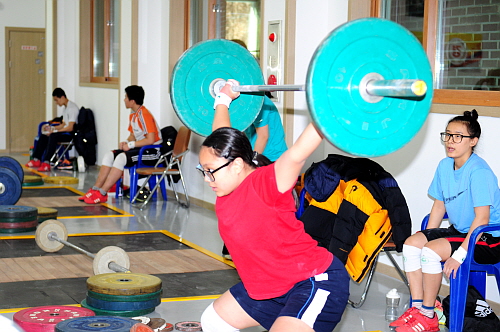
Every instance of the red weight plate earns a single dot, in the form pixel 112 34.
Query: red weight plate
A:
pixel 188 326
pixel 44 319
pixel 139 327
pixel 16 225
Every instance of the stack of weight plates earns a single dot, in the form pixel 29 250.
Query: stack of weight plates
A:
pixel 32 180
pixel 44 319
pixel 96 324
pixel 18 218
pixel 123 294
pixel 46 214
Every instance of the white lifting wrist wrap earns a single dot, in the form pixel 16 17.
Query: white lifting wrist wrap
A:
pixel 131 144
pixel 222 98
pixel 459 255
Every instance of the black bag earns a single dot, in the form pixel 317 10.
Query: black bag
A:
pixel 86 136
pixel 169 134
pixel 478 314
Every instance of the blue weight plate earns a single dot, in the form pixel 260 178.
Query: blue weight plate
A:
pixel 194 73
pixel 13 165
pixel 19 212
pixel 10 187
pixel 122 306
pixel 96 323
pixel 350 52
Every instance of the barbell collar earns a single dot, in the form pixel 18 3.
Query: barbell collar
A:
pixel 112 265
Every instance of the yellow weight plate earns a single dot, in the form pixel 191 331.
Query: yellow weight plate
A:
pixel 123 283
pixel 61 180
pixel 44 211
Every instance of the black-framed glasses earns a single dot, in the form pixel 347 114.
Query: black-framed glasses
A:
pixel 456 138
pixel 210 174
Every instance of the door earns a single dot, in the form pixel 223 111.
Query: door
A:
pixel 26 86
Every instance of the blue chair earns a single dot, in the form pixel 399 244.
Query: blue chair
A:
pixel 134 177
pixel 469 273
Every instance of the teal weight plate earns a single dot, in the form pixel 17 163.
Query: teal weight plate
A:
pixel 125 298
pixel 353 50
pixel 120 313
pixel 196 70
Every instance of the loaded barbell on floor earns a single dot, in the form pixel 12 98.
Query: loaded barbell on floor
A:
pixel 368 86
pixel 51 236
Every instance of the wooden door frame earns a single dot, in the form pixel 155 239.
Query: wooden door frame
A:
pixel 8 30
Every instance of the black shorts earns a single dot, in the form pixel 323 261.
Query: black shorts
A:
pixel 487 250
pixel 149 157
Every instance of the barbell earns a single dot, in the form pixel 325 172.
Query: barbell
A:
pixel 51 236
pixel 368 86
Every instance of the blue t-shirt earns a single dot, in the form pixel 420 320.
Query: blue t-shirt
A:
pixel 269 116
pixel 474 184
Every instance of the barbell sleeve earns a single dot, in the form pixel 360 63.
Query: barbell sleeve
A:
pixel 397 88
pixel 112 265
pixel 382 88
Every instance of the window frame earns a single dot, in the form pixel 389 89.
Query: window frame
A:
pixel 444 96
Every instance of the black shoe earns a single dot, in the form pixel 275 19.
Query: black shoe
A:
pixel 143 194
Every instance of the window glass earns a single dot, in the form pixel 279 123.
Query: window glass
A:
pixel 98 39
pixel 243 24
pixel 467 46
pixel 114 38
pixel 106 39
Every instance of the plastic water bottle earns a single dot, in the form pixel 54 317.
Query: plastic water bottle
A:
pixel 392 303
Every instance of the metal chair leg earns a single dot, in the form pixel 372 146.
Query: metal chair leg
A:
pixel 367 286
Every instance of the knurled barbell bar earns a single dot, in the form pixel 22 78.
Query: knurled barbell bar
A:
pixel 51 236
pixel 368 86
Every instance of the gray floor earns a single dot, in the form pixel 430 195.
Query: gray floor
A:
pixel 199 226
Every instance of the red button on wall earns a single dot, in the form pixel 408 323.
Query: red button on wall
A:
pixel 271 80
pixel 272 37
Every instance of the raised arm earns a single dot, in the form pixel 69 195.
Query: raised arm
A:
pixel 221 105
pixel 289 165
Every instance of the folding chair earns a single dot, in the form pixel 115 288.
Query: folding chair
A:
pixel 63 148
pixel 469 273
pixel 173 167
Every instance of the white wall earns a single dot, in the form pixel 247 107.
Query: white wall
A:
pixel 13 13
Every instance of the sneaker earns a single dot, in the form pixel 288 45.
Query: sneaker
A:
pixel 44 167
pixel 420 323
pixel 96 197
pixel 88 194
pixel 404 317
pixel 65 164
pixel 34 164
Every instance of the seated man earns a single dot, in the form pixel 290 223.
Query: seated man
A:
pixel 51 135
pixel 143 131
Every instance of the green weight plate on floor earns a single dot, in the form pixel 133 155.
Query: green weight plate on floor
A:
pixel 46 214
pixel 341 61
pixel 10 187
pixel 122 306
pixel 133 313
pixel 193 77
pixel 123 283
pixel 13 165
pixel 125 298
pixel 18 211
pixel 96 324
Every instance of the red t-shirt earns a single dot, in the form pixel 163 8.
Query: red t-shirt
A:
pixel 267 243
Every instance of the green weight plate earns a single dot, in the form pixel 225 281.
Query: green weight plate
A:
pixel 13 165
pixel 195 72
pixel 10 187
pixel 10 212
pixel 32 184
pixel 124 283
pixel 17 230
pixel 16 220
pixel 343 59
pixel 122 306
pixel 125 298
pixel 120 313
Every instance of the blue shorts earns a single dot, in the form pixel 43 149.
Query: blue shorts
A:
pixel 318 301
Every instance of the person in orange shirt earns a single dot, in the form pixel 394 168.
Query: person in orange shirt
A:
pixel 143 131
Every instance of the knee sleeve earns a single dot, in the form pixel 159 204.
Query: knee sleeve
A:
pixel 411 258
pixel 120 161
pixel 431 261
pixel 212 322
pixel 108 159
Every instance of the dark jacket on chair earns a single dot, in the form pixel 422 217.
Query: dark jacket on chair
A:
pixel 356 207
